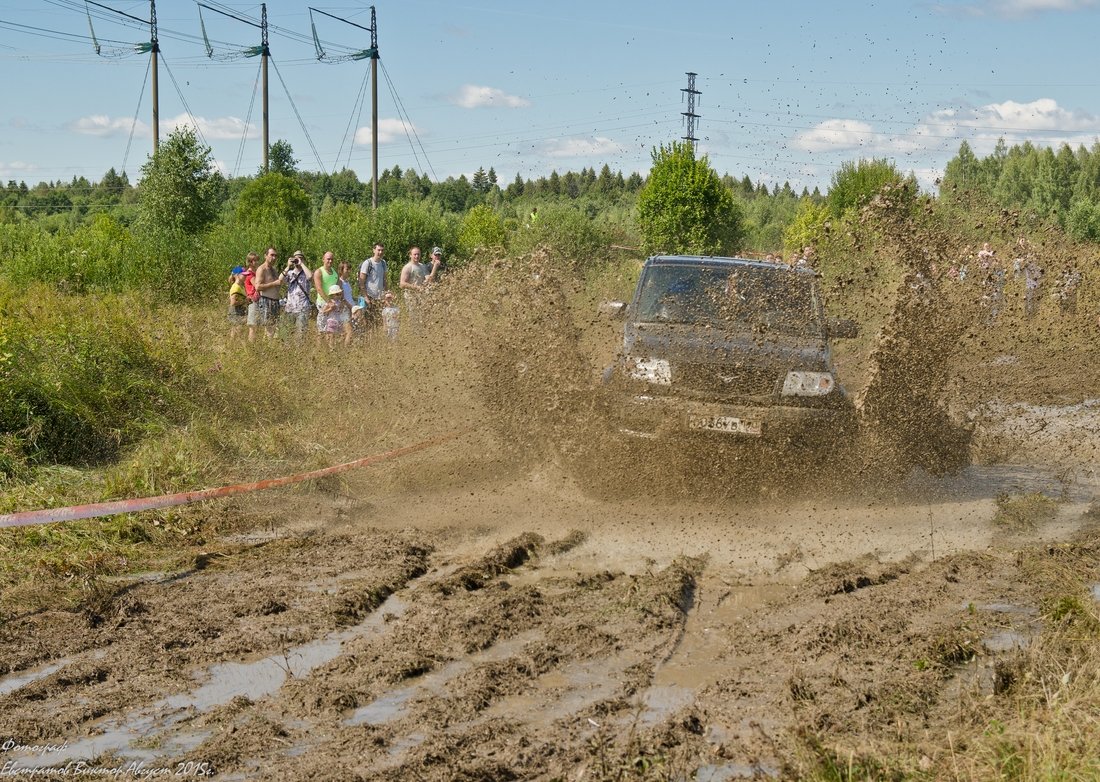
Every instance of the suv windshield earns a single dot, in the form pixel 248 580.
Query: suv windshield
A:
pixel 756 296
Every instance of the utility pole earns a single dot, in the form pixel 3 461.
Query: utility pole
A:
pixel 691 92
pixel 264 55
pixel 153 47
pixel 262 50
pixel 372 52
pixel 374 109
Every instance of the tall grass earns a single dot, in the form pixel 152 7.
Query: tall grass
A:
pixel 81 377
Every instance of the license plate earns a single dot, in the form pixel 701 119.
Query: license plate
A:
pixel 724 423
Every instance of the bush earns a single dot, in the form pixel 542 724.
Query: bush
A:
pixel 685 208
pixel 1083 220
pixel 566 232
pixel 79 377
pixel 482 228
pixel 273 198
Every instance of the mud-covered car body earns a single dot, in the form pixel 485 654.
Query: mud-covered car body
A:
pixel 729 347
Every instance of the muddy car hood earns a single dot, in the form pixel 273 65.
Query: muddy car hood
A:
pixel 713 345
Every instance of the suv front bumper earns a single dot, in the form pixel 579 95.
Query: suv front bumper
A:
pixel 665 416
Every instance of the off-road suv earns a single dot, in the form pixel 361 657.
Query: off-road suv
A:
pixel 729 347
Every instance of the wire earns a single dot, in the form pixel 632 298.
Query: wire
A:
pixel 247 121
pixel 183 100
pixel 298 115
pixel 133 125
pixel 57 35
pixel 353 120
pixel 401 110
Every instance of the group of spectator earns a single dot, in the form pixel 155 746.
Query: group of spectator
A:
pixel 992 275
pixel 799 258
pixel 261 295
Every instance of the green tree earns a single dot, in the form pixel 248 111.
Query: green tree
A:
pixel 963 172
pixel 481 228
pixel 273 198
pixel 1083 220
pixel 454 195
pixel 809 221
pixel 180 190
pixel 480 182
pixel 685 208
pixel 516 189
pixel 855 184
pixel 280 158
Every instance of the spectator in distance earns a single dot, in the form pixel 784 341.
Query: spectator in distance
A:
pixel 372 285
pixel 298 280
pixel 268 283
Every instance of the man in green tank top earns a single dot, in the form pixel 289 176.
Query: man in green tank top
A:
pixel 323 279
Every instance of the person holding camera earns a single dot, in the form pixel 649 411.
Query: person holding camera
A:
pixel 298 279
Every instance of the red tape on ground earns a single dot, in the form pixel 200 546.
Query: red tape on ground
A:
pixel 97 509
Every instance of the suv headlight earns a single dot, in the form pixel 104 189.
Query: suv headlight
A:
pixel 808 384
pixel 651 370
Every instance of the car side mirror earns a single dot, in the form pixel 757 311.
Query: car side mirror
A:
pixel 843 328
pixel 613 310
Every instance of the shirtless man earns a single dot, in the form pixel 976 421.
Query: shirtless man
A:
pixel 414 274
pixel 268 283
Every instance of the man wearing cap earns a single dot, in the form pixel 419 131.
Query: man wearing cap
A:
pixel 298 280
pixel 437 265
pixel 372 285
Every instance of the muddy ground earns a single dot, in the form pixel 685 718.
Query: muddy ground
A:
pixel 478 613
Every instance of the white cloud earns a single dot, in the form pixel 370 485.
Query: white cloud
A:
pixel 1010 8
pixel 1042 121
pixel 471 96
pixel 834 134
pixel 218 129
pixel 17 169
pixel 389 130
pixel 580 147
pixel 103 126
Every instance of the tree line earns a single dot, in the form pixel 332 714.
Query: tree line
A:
pixel 1060 185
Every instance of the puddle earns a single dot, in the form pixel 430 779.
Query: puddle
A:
pixel 1006 641
pixel 405 743
pixel 17 681
pixel 1001 608
pixel 224 682
pixel 257 680
pixel 390 706
pixel 986 481
pixel 662 701
pixel 697 660
pixel 562 693
pixel 727 771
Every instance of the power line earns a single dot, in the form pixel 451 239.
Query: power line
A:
pixel 299 116
pixel 407 126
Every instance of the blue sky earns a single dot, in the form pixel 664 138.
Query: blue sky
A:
pixel 790 89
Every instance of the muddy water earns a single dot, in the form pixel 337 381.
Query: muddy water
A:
pixel 152 725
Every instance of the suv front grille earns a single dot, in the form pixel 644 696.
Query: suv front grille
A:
pixel 724 380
